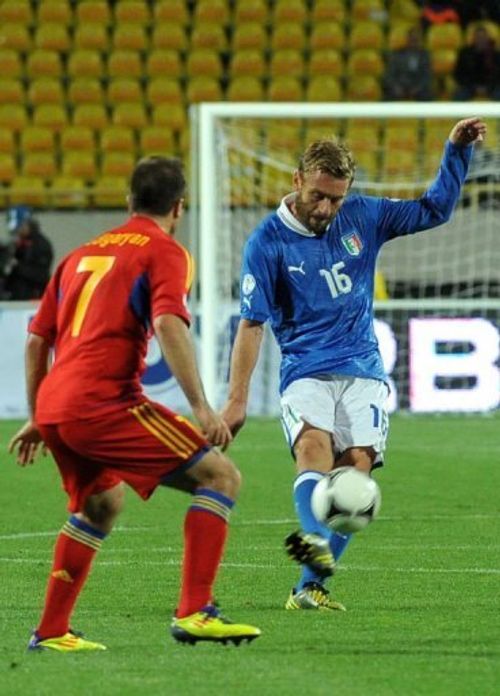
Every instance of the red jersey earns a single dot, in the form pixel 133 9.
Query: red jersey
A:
pixel 97 313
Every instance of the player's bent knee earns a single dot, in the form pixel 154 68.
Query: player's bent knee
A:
pixel 360 457
pixel 102 509
pixel 216 471
pixel 313 450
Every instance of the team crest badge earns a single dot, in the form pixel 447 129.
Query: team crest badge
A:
pixel 352 243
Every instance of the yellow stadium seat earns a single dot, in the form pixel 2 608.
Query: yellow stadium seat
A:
pixel 156 140
pixel 367 165
pixel 366 10
pixel 286 61
pixel 37 139
pixel 123 90
pixel 203 61
pixel 7 141
pixel 78 164
pixel 402 138
pixel 163 62
pixel 11 91
pixel 131 114
pixel 327 62
pixel 124 64
pixel 68 192
pixel 13 116
pixel 251 35
pixel 285 89
pixel 117 139
pixel 248 62
pixel 51 116
pixel 366 35
pixel 443 61
pixel 130 37
pixel 171 116
pixel 15 36
pixel 444 36
pixel 28 190
pixel 110 192
pixel 8 169
pixel 77 138
pixel 171 12
pixel 117 164
pixel 211 11
pixel 169 36
pixel 365 62
pixel 404 10
pixel 54 11
pixel 284 137
pixel 398 34
pixel 52 37
pixel 363 88
pixel 361 138
pixel 85 63
pixel 289 11
pixel 85 90
pixel 250 11
pixel 163 90
pixel 328 11
pixel 200 89
pixel 16 11
pixel 91 36
pixel 39 164
pixel 45 90
pixel 134 11
pixel 11 63
pixel 93 116
pixel 399 163
pixel 208 35
pixel 245 88
pixel 42 63
pixel 93 11
pixel 288 35
pixel 324 88
pixel 327 35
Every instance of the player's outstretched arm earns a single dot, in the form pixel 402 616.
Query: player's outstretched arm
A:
pixel 26 442
pixel 243 361
pixel 468 131
pixel 177 347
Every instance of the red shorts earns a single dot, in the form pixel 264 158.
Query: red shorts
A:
pixel 140 446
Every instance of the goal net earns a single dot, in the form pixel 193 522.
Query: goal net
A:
pixel 438 299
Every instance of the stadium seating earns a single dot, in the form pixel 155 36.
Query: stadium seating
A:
pixel 28 190
pixel 250 11
pixel 18 12
pixel 328 11
pixel 247 62
pixel 50 11
pixel 245 88
pixel 45 90
pixel 41 63
pixel 11 91
pixel 163 63
pixel 93 11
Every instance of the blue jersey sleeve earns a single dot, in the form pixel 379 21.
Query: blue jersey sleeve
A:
pixel 258 279
pixel 397 218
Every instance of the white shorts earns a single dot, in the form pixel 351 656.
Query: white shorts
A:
pixel 352 409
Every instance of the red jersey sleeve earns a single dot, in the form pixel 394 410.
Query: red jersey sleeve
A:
pixel 171 276
pixel 44 323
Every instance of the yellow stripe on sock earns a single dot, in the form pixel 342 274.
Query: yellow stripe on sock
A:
pixel 81 536
pixel 211 505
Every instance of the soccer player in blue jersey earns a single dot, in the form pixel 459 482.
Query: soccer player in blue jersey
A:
pixel 309 270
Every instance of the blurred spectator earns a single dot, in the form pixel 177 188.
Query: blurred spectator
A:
pixel 481 9
pixel 477 71
pixel 440 12
pixel 27 260
pixel 408 73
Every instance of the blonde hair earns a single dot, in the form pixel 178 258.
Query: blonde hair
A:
pixel 330 156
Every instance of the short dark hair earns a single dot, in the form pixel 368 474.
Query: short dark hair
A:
pixel 157 183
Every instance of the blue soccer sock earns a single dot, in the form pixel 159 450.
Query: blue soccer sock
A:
pixel 302 491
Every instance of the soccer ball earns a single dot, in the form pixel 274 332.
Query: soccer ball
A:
pixel 346 500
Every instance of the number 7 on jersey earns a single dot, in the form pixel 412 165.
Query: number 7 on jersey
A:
pixel 98 267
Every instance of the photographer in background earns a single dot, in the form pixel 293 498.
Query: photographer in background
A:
pixel 28 259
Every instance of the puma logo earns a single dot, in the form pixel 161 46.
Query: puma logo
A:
pixel 297 269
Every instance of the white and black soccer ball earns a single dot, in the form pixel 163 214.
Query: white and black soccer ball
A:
pixel 346 500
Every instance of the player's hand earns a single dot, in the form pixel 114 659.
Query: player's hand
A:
pixel 213 426
pixel 234 413
pixel 468 131
pixel 26 443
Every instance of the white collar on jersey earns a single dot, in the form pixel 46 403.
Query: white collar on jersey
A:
pixel 287 217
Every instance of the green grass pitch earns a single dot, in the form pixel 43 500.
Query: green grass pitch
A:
pixel 422 584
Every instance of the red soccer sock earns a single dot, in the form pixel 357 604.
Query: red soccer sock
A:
pixel 74 552
pixel 205 532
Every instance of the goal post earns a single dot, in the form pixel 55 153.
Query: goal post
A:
pixel 241 166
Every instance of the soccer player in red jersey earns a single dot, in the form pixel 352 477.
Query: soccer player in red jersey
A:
pixel 104 301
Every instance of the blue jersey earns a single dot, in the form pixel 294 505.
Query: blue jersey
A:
pixel 317 292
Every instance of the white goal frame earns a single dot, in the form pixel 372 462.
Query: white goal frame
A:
pixel 204 185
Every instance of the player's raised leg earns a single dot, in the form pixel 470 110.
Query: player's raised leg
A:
pixel 216 485
pixel 76 546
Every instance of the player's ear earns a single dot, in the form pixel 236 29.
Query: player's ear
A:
pixel 298 180
pixel 178 208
